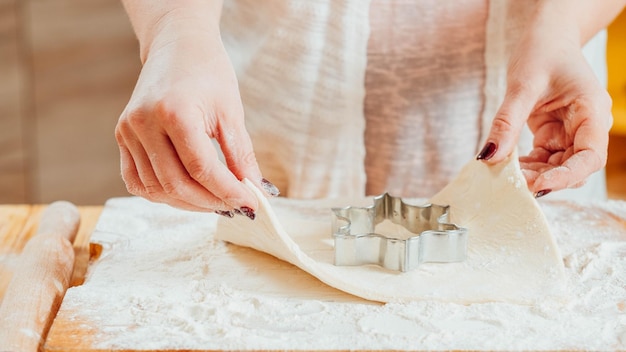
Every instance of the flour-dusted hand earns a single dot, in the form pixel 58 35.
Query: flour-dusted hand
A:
pixel 186 95
pixel 551 87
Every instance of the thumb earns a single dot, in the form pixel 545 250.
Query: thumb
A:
pixel 507 125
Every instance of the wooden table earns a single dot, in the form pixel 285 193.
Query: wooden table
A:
pixel 276 280
pixel 18 223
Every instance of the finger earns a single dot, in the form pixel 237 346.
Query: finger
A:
pixel 536 162
pixel 557 158
pixel 130 175
pixel 150 186
pixel 537 166
pixel 137 171
pixel 571 174
pixel 532 169
pixel 239 153
pixel 200 159
pixel 547 159
pixel 530 175
pixel 507 125
pixel 174 179
pixel 536 155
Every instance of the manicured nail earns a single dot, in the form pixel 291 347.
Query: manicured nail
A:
pixel 270 188
pixel 226 213
pixel 488 151
pixel 542 193
pixel 247 211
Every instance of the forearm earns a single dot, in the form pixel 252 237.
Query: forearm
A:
pixel 582 18
pixel 157 23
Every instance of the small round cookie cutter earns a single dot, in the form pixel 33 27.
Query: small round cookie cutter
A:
pixel 436 239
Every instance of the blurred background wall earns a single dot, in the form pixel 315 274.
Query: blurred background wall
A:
pixel 67 69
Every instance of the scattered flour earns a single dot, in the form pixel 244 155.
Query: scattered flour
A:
pixel 163 282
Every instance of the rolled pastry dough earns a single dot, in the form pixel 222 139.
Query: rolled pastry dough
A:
pixel 511 254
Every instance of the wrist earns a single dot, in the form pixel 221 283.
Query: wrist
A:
pixel 579 20
pixel 157 23
pixel 557 18
pixel 186 33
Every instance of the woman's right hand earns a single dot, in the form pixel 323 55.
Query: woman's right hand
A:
pixel 186 95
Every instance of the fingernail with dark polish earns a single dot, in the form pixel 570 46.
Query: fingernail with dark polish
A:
pixel 226 213
pixel 270 188
pixel 247 211
pixel 488 151
pixel 237 212
pixel 542 193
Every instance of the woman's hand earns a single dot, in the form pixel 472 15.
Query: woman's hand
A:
pixel 551 87
pixel 187 95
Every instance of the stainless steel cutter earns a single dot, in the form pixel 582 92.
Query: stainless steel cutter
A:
pixel 435 240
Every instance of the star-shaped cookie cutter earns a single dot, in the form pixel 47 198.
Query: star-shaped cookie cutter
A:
pixel 435 240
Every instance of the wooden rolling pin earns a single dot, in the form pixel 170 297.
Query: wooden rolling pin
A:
pixel 40 279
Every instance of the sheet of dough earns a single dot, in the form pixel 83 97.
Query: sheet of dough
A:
pixel 512 255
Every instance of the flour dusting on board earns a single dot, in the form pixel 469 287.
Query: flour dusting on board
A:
pixel 163 282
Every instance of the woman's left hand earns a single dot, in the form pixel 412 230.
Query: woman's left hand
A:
pixel 551 87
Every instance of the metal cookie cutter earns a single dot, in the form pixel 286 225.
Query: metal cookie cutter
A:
pixel 435 239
